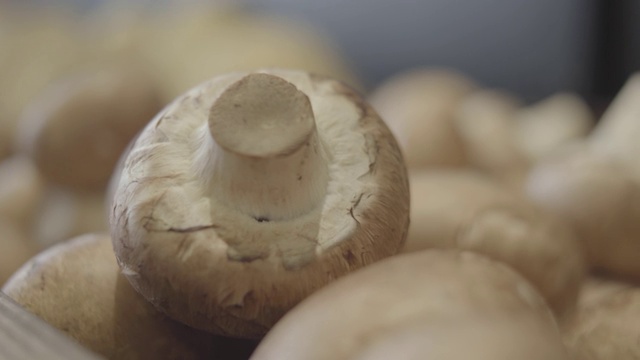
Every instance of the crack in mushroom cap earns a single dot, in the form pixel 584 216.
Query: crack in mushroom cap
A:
pixel 214 266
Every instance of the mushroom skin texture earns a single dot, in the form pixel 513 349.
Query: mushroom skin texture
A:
pixel 467 210
pixel 485 122
pixel 77 287
pixel 475 337
pixel 21 190
pixel 428 287
pixel 543 128
pixel 600 199
pixel 418 105
pixel 302 184
pixel 606 324
pixel 77 129
pixel 15 249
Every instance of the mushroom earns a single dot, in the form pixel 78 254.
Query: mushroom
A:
pixel 484 121
pixel 427 288
pixel 418 106
pixel 76 131
pixel 253 190
pixel 617 133
pixel 15 249
pixel 475 337
pixel 599 198
pixel 63 214
pixel 21 190
pixel 466 210
pixel 541 129
pixel 77 287
pixel 606 324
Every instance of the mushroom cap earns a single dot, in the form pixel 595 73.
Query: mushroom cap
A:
pixel 15 249
pixel 418 105
pixel 403 291
pixel 76 131
pixel 77 287
pixel 600 199
pixel 606 324
pixel 213 267
pixel 21 190
pixel 466 210
pixel 476 337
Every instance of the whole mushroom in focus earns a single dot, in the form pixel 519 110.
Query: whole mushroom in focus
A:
pixel 253 190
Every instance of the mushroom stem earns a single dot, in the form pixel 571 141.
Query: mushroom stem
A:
pixel 268 160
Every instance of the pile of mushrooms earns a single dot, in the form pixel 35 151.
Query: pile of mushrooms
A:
pixel 273 214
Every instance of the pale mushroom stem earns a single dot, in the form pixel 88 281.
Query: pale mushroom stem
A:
pixel 268 160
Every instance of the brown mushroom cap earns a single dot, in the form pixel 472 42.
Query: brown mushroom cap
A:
pixel 466 210
pixel 21 190
pixel 418 106
pixel 226 239
pixel 77 287
pixel 476 337
pixel 606 325
pixel 78 128
pixel 427 287
pixel 15 249
pixel 600 199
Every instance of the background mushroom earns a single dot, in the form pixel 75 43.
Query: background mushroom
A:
pixel 418 105
pixel 21 190
pixel 77 287
pixel 485 122
pixel 77 130
pixel 543 128
pixel 600 199
pixel 427 288
pixel 467 210
pixel 253 190
pixel 15 249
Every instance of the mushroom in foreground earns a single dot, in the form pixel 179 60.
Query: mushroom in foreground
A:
pixel 250 192
pixel 77 129
pixel 419 106
pixel 421 289
pixel 77 287
pixel 606 324
pixel 466 210
pixel 476 337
